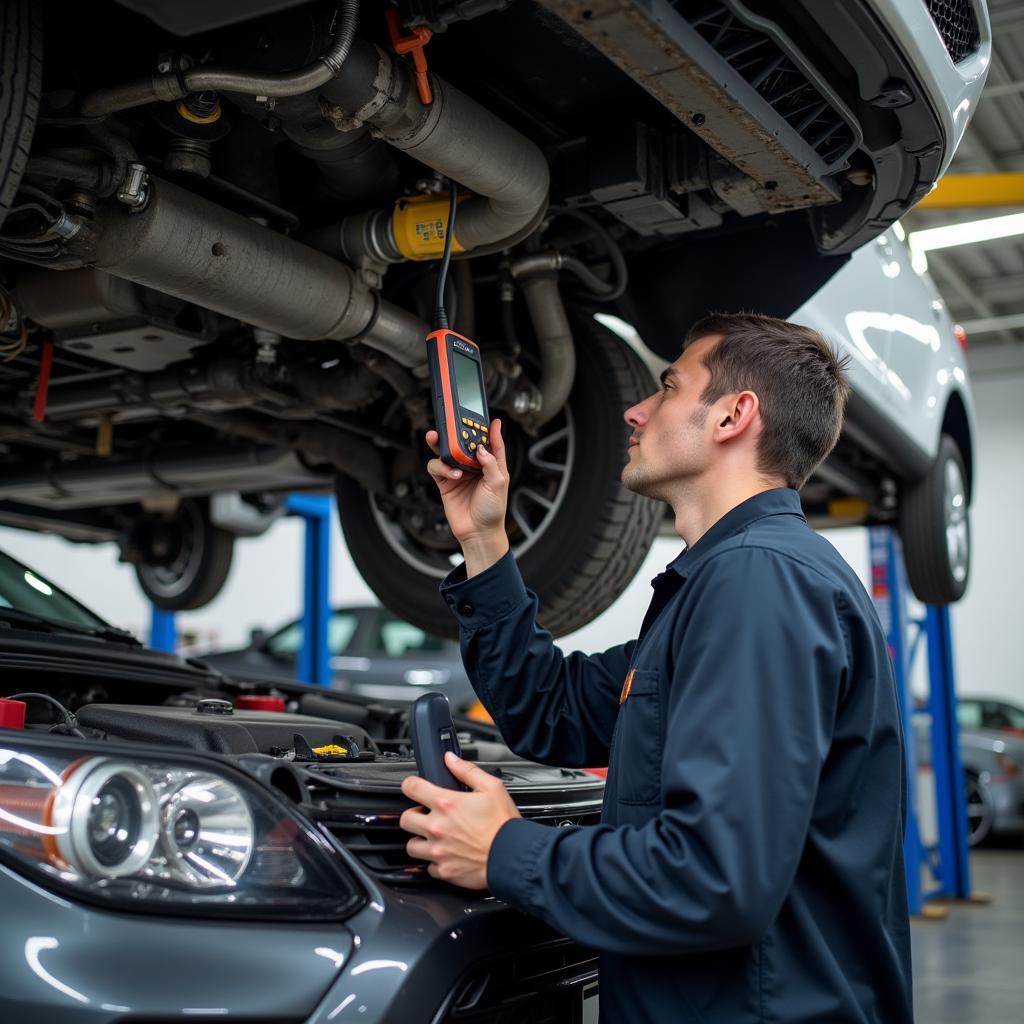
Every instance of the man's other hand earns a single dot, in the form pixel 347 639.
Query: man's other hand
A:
pixel 453 830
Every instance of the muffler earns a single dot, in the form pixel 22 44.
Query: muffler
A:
pixel 186 246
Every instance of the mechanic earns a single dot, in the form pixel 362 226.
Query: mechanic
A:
pixel 749 863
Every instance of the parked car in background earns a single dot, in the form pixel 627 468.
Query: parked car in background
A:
pixel 221 241
pixel 373 653
pixel 992 751
pixel 990 713
pixel 177 845
pixel 992 756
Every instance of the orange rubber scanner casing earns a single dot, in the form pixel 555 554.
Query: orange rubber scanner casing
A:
pixel 461 429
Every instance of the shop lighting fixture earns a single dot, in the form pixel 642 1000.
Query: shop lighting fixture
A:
pixel 949 235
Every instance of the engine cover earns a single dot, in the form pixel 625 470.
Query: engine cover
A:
pixel 236 732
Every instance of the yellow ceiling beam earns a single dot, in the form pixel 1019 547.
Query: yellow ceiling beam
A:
pixel 971 190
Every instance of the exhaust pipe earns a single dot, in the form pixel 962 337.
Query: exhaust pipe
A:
pixel 369 87
pixel 188 247
pixel 101 483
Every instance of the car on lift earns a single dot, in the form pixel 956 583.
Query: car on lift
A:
pixel 179 845
pixel 219 247
pixel 372 653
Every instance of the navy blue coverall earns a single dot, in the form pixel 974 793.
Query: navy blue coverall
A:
pixel 749 865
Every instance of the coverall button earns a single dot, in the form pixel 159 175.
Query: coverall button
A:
pixel 466 608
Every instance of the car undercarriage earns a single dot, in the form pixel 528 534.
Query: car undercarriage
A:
pixel 220 239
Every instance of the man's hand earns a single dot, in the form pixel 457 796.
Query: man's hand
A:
pixel 475 503
pixel 454 831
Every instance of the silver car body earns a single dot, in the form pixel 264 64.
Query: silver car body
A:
pixel 904 360
pixel 954 89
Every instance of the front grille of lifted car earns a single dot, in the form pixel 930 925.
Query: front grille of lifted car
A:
pixel 537 985
pixel 957 25
pixel 776 76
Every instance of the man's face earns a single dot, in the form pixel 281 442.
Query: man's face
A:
pixel 671 440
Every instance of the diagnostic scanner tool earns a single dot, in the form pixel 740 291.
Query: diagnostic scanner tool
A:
pixel 460 405
pixel 456 374
pixel 432 732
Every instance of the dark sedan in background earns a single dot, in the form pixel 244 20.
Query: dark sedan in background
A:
pixel 373 653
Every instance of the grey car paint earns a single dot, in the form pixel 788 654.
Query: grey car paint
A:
pixel 997 805
pixel 399 958
pixel 980 751
pixel 66 962
pixel 377 966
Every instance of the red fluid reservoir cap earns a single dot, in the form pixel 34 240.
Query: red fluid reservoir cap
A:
pixel 12 714
pixel 259 702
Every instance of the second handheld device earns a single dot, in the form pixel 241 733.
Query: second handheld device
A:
pixel 432 732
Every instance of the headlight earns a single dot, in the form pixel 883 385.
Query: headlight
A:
pixel 176 835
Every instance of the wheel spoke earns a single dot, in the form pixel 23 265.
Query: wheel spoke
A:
pixel 537 455
pixel 519 508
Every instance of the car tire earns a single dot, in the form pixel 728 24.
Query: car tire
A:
pixel 194 558
pixel 980 813
pixel 935 529
pixel 589 547
pixel 21 77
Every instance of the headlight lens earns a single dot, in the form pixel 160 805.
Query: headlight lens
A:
pixel 206 829
pixel 164 835
pixel 105 817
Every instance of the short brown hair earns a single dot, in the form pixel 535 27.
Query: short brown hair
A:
pixel 798 378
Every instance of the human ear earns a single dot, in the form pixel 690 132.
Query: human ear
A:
pixel 741 411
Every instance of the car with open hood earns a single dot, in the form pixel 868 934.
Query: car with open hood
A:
pixel 178 845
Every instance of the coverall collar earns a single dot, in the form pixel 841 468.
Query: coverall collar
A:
pixel 778 501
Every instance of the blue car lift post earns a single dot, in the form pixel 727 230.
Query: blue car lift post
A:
pixel 946 861
pixel 314 656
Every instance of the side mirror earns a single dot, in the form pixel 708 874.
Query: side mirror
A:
pixel 258 638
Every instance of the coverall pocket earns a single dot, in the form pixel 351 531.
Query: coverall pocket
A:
pixel 639 741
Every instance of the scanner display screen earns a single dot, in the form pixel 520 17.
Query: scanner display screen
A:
pixel 467 381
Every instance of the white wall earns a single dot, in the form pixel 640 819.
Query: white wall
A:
pixel 988 624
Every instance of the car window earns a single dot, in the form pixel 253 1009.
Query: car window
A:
pixel 340 629
pixel 397 638
pixel 1001 716
pixel 27 591
pixel 968 714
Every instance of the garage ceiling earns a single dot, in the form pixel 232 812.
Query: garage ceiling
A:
pixel 983 283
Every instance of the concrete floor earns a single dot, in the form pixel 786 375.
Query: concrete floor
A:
pixel 970 967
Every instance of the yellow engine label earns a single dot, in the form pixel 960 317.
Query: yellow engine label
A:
pixel 420 224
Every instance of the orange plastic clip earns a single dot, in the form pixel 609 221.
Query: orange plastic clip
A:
pixel 413 43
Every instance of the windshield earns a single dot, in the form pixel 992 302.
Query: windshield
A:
pixel 27 591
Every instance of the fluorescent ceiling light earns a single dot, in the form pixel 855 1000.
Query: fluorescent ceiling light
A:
pixel 950 235
pixel 970 231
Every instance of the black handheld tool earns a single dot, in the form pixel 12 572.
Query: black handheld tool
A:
pixel 432 732
pixel 456 376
